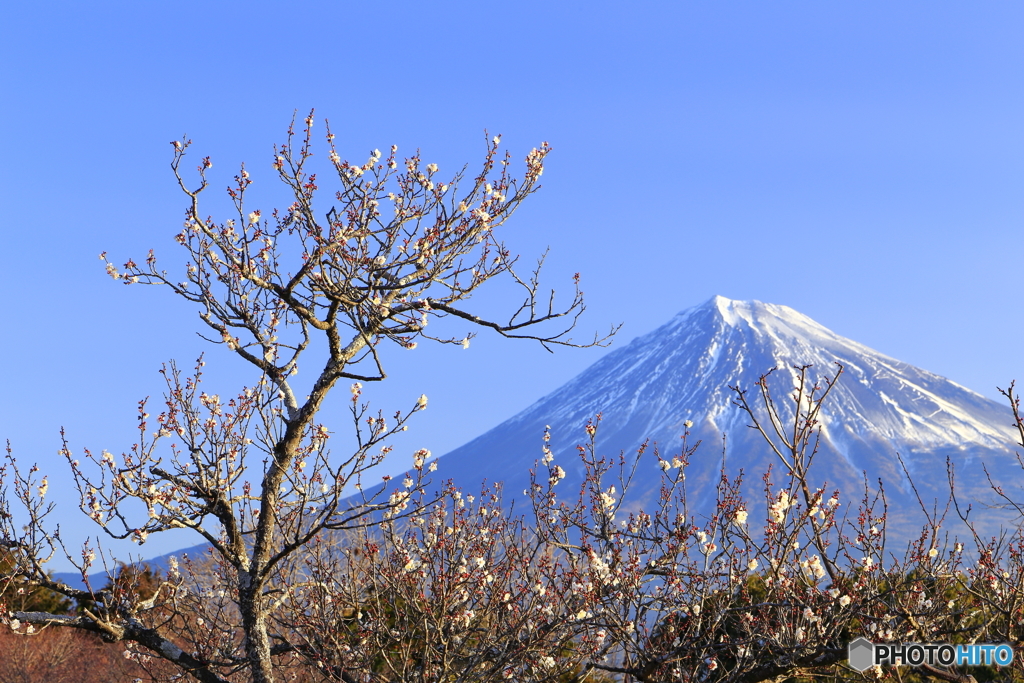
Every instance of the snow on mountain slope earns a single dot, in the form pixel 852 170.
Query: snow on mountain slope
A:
pixel 683 370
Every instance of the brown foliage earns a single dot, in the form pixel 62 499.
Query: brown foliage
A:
pixel 60 655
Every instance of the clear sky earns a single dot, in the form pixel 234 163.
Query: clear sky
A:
pixel 860 162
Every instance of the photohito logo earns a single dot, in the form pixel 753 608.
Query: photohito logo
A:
pixel 863 654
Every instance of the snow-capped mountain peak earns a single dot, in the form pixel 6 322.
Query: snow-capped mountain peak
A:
pixel 682 372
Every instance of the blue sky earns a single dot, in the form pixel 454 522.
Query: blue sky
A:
pixel 860 162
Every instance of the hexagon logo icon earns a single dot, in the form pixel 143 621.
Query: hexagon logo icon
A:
pixel 861 654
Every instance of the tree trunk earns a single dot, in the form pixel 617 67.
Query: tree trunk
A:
pixel 254 623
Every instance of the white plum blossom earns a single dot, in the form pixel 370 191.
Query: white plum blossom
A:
pixel 814 566
pixel 779 507
pixel 419 457
pixel 398 501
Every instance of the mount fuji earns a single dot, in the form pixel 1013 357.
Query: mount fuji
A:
pixel 682 372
